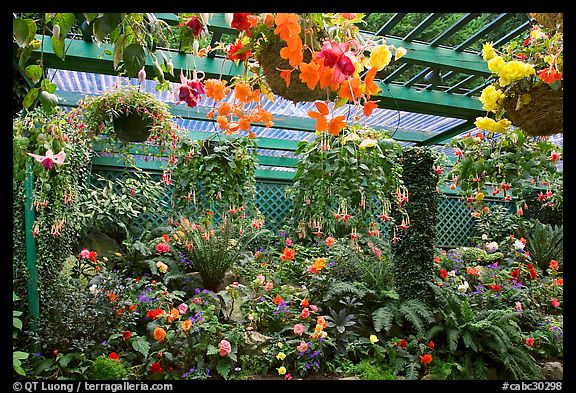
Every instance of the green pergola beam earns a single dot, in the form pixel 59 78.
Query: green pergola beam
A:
pixel 391 23
pixel 443 136
pixel 70 99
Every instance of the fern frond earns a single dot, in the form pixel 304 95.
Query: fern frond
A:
pixel 383 317
pixel 343 288
pixel 417 313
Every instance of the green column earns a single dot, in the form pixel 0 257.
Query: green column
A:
pixel 31 255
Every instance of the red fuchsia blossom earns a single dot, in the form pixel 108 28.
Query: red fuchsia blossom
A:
pixel 403 343
pixel 244 21
pixel 529 341
pixel 191 91
pixel 339 57
pixel 225 348
pixel 193 24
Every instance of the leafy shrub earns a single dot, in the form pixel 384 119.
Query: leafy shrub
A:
pixel 545 242
pixel 105 368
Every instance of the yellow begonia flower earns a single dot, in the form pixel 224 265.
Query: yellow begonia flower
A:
pixel 281 356
pixel 380 57
pixel 488 124
pixel 350 137
pixel 400 52
pixel 281 370
pixel 490 97
pixel 488 51
pixel 495 64
pixel 368 142
pixel 373 339
pixel 162 267
pixel 479 196
pixel 513 71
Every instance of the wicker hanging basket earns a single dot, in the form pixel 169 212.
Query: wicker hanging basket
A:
pixel 269 59
pixel 552 21
pixel 132 127
pixel 542 116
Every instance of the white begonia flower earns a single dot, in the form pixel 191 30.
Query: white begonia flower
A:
pixel 492 247
pixel 518 245
pixel 94 289
pixel 462 288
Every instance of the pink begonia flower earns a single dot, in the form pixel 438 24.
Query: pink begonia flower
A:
pixel 225 348
pixel 268 286
pixel 49 159
pixel 555 302
pixel 302 347
pixel 182 308
pixel 84 254
pixel 298 329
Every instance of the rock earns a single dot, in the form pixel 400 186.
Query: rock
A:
pixel 553 370
pixel 256 341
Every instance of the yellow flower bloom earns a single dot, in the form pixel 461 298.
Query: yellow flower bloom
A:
pixel 488 51
pixel 281 356
pixel 490 97
pixel 368 142
pixel 373 339
pixel 488 124
pixel 281 370
pixel 400 52
pixel 495 64
pixel 162 267
pixel 513 71
pixel 320 263
pixel 380 57
pixel 350 137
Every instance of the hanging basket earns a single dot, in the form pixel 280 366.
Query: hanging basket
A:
pixel 269 59
pixel 132 127
pixel 542 116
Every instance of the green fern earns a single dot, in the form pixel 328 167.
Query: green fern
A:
pixel 412 312
pixel 343 288
pixel 545 242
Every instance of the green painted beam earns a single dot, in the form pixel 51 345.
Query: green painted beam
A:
pixel 442 137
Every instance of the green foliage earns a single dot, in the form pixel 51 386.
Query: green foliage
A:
pixel 498 224
pixel 344 182
pixel 369 370
pixel 105 368
pixel 18 357
pixel 216 175
pixel 477 256
pixel 493 334
pixel 545 242
pixel 413 248
pixel 408 314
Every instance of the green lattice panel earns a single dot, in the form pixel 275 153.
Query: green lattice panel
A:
pixel 273 203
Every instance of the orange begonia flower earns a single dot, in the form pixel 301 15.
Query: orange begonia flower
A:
pixel 327 78
pixel 350 89
pixel 371 87
pixel 309 74
pixel 224 109
pixel 243 93
pixel 187 325
pixel 222 122
pixel 293 51
pixel 159 334
pixel 216 89
pixel 278 299
pixel 321 122
pixel 285 74
pixel 336 125
pixel 288 254
pixel 251 135
pixel 244 124
pixel 232 128
pixel 369 107
pixel 287 25
pixel 210 115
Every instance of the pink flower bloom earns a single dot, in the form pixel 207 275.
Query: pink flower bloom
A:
pixel 84 254
pixel 197 300
pixel 314 307
pixel 190 91
pixel 142 75
pixel 302 347
pixel 330 241
pixel 225 348
pixel 50 158
pixel 162 247
pixel 304 314
pixel 298 329
pixel 338 56
pixel 268 286
pixel 288 241
pixel 555 302
pixel 183 308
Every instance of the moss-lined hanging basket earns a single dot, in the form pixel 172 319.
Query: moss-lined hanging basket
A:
pixel 269 59
pixel 132 126
pixel 542 115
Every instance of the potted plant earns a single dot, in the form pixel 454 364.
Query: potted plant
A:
pixel 127 114
pixel 528 83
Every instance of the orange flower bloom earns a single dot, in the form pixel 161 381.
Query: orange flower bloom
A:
pixel 244 124
pixel 243 93
pixel 327 78
pixel 224 109
pixel 322 322
pixel 304 302
pixel 350 89
pixel 369 107
pixel 293 51
pixel 216 89
pixel 320 263
pixel 309 74
pixel 336 125
pixel 288 254
pixel 187 325
pixel 222 122
pixel 278 299
pixel 371 87
pixel 320 116
pixel 426 359
pixel 174 314
pixel 287 25
pixel 159 334
pixel 285 74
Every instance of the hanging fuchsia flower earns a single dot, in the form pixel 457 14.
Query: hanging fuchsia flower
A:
pixel 190 91
pixel 193 24
pixel 49 159
pixel 338 56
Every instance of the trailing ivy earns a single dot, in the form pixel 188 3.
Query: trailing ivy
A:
pixel 413 248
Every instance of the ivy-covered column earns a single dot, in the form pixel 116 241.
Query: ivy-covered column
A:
pixel 413 250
